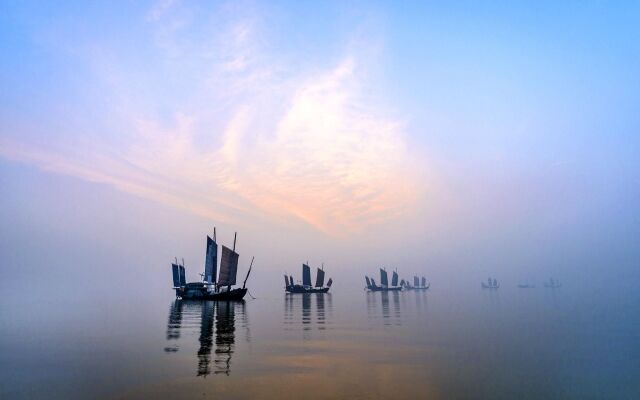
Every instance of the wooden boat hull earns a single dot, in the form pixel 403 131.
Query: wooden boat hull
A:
pixel 485 286
pixel 387 289
pixel 301 289
pixel 232 295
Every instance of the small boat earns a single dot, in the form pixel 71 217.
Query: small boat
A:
pixel 384 283
pixel 211 288
pixel 306 287
pixel 418 284
pixel 491 284
pixel 553 284
pixel 526 286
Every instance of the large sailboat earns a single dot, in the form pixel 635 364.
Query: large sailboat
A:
pixel 306 286
pixel 211 288
pixel 384 282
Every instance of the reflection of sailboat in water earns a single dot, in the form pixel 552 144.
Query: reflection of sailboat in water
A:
pixel 388 319
pixel 307 310
pixel 215 318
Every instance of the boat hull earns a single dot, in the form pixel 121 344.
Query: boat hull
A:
pixel 301 289
pixel 485 286
pixel 386 289
pixel 231 295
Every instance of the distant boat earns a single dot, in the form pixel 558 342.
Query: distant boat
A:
pixel 418 284
pixel 306 282
pixel 552 284
pixel 384 283
pixel 491 284
pixel 526 286
pixel 210 288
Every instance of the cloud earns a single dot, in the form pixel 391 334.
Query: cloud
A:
pixel 305 145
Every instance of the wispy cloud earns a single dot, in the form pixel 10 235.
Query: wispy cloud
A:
pixel 303 144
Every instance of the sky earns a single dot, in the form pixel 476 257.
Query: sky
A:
pixel 462 139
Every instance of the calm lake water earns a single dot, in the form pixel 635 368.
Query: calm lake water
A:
pixel 469 343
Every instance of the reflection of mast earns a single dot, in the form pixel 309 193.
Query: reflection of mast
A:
pixel 175 320
pixel 320 317
pixel 225 336
pixel 206 341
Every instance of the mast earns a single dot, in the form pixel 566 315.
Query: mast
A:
pixel 248 272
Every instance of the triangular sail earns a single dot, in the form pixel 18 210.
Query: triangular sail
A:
pixel 228 267
pixel 330 282
pixel 368 281
pixel 211 261
pixel 175 268
pixel 383 278
pixel 416 281
pixel 320 278
pixel 306 275
pixel 373 283
pixel 394 279
pixel 424 281
pixel 286 280
pixel 291 280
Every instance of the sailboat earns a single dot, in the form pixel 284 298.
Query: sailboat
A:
pixel 306 286
pixel 384 282
pixel 552 284
pixel 211 288
pixel 491 284
pixel 418 284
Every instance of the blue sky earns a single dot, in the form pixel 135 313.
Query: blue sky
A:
pixel 461 125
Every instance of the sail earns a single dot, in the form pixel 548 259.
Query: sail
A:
pixel 320 278
pixel 383 278
pixel 416 281
pixel 402 283
pixel 228 267
pixel 306 275
pixel 424 281
pixel 291 280
pixel 394 279
pixel 373 283
pixel 368 281
pixel 176 274
pixel 183 280
pixel 211 261
pixel 286 280
pixel 330 282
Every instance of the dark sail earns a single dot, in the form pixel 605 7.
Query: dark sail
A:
pixel 368 281
pixel 320 278
pixel 330 282
pixel 416 281
pixel 306 275
pixel 384 281
pixel 373 283
pixel 402 283
pixel 175 268
pixel 228 267
pixel 211 261
pixel 424 281
pixel 291 280
pixel 286 280
pixel 394 279
pixel 183 279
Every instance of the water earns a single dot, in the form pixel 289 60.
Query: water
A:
pixel 453 343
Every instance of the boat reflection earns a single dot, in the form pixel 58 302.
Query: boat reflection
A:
pixel 391 310
pixel 313 309
pixel 212 317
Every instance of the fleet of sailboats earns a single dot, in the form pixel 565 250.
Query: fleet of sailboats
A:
pixel 221 287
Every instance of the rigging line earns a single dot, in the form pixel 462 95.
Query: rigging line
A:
pixel 251 295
